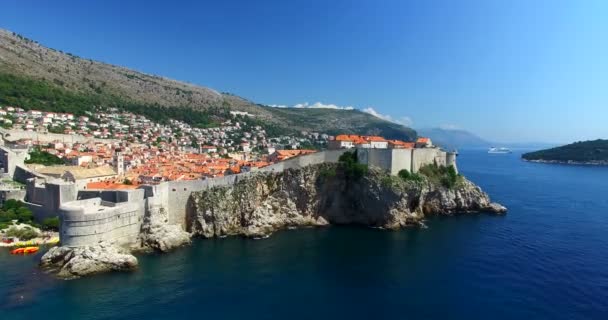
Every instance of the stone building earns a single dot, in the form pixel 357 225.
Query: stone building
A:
pixel 395 160
pixel 11 158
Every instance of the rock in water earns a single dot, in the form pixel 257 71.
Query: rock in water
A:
pixel 158 235
pixel 69 263
pixel 164 237
pixel 497 208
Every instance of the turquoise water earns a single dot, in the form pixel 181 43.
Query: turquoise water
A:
pixel 547 259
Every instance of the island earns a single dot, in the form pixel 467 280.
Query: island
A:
pixel 593 152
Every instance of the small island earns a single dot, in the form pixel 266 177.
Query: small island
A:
pixel 585 152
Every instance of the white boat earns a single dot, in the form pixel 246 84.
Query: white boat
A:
pixel 499 150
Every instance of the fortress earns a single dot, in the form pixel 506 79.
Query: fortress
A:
pixel 90 216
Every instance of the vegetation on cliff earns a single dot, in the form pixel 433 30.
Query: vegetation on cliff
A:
pixel 352 168
pixel 595 151
pixel 446 176
pixel 405 175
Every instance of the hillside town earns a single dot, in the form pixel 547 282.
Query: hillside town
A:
pixel 121 148
pixel 52 162
pixel 143 151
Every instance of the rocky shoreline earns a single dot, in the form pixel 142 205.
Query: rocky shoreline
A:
pixel 71 263
pixel 324 195
pixel 571 162
pixel 318 195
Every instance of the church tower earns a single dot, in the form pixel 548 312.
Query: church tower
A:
pixel 119 163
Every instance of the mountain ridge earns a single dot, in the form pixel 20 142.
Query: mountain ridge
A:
pixel 65 79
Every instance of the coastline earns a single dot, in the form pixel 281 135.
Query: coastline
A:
pixel 256 207
pixel 598 163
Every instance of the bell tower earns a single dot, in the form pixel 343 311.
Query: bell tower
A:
pixel 119 162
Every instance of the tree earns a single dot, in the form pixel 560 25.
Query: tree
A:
pixel 404 174
pixel 51 223
pixel 25 215
pixel 352 169
pixel 42 157
pixel 11 204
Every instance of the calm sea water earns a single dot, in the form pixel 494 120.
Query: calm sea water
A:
pixel 547 259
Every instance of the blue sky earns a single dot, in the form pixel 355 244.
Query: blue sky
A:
pixel 514 71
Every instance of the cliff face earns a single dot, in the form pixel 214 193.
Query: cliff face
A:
pixel 158 235
pixel 316 195
pixel 325 194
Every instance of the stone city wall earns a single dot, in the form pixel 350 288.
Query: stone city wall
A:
pixel 424 156
pixel 395 160
pixel 177 204
pixel 14 135
pixel 123 211
pixel 15 194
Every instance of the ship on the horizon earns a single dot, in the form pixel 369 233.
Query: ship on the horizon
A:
pixel 499 150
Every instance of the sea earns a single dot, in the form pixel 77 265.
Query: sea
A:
pixel 546 259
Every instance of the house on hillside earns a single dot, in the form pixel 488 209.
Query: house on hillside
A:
pixel 208 149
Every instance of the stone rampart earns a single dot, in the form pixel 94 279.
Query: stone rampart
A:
pixel 118 215
pixel 46 137
pixel 88 221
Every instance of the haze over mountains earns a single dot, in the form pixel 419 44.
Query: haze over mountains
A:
pixel 34 76
pixel 454 138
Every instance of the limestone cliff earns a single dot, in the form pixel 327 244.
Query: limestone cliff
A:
pixel 325 194
pixel 316 195
pixel 157 234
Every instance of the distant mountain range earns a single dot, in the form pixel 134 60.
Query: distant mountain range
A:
pixel 462 139
pixel 34 76
pixel 454 138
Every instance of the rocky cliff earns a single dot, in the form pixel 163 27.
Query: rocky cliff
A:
pixel 325 194
pixel 157 234
pixel 317 195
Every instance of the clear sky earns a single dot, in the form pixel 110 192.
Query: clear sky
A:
pixel 516 71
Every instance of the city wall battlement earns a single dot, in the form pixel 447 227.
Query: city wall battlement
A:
pixel 118 215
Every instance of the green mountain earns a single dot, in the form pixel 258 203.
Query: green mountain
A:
pixel 593 152
pixel 34 76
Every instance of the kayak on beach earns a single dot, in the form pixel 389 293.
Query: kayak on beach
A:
pixel 25 250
